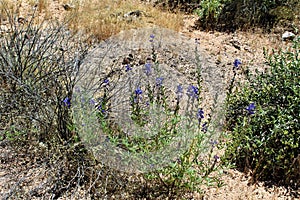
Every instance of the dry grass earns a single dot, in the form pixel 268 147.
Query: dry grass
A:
pixel 101 18
pixel 104 18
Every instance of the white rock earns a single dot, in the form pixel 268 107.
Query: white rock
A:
pixel 288 35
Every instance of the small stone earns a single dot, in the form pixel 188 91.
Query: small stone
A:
pixel 133 15
pixel 136 13
pixel 219 60
pixel 247 48
pixel 21 20
pixel 236 44
pixel 288 36
pixel 68 7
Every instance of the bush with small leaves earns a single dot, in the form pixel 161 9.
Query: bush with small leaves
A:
pixel 263 120
pixel 242 14
pixel 209 11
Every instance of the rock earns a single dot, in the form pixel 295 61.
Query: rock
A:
pixel 136 13
pixel 22 20
pixel 288 36
pixel 236 44
pixel 133 15
pixel 68 7
pixel 128 59
pixel 247 48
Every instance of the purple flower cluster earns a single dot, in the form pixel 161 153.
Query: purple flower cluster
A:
pixel 193 91
pixel 67 102
pixel 159 81
pixel 179 91
pixel 236 64
pixel 148 69
pixel 138 91
pixel 200 114
pixel 127 68
pixel 152 36
pixel 251 108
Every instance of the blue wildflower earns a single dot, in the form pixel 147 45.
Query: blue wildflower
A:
pixel 128 68
pixel 148 69
pixel 179 91
pixel 251 108
pixel 67 102
pixel 193 91
pixel 236 63
pixel 216 157
pixel 159 81
pixel 137 97
pixel 152 37
pixel 200 115
pixel 138 91
pixel 102 109
pixel 92 101
pixel 106 82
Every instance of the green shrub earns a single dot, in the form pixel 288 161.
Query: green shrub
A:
pixel 209 11
pixel 234 14
pixel 263 120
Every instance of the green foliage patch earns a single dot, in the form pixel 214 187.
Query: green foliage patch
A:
pixel 263 120
pixel 234 14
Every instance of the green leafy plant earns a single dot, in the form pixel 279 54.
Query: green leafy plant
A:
pixel 190 170
pixel 160 119
pixel 263 120
pixel 209 11
pixel 242 14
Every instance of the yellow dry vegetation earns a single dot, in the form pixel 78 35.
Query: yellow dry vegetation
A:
pixel 101 18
